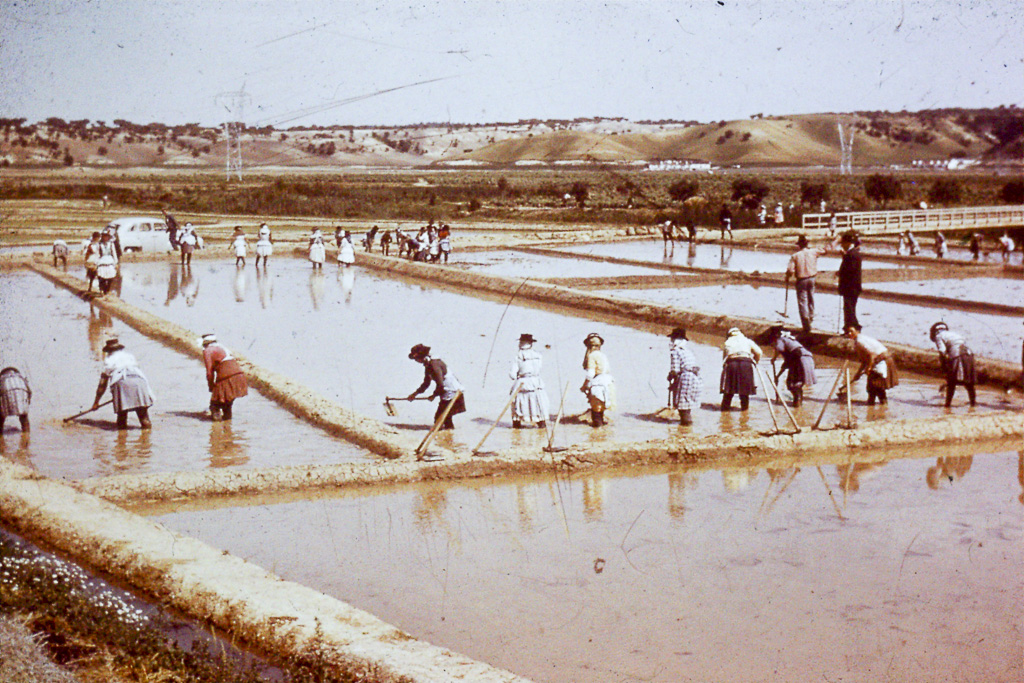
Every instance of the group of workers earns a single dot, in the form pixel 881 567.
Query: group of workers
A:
pixel 431 244
pixel 907 243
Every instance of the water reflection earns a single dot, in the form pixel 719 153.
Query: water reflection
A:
pixel 526 506
pixel 348 279
pixel 100 327
pixel 316 287
pixel 265 285
pixel 239 284
pixel 678 484
pixel 691 254
pixel 725 255
pixel 949 469
pixel 227 445
pixel 593 498
pixel 17 450
pixel 852 475
pixel 429 507
pixel 189 286
pixel 173 276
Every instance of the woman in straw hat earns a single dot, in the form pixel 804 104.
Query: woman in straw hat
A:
pixel 684 380
pixel 129 388
pixel 599 385
pixel 531 404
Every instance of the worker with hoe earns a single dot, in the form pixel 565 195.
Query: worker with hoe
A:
pixel 803 265
pixel 684 380
pixel 15 397
pixel 224 378
pixel 531 403
pixel 129 388
pixel 446 386
pixel 876 362
pixel 797 362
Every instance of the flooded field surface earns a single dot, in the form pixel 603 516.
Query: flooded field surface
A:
pixel 56 341
pixel 910 571
pixel 990 254
pixel 997 290
pixel 989 336
pixel 723 256
pixel 347 334
pixel 511 263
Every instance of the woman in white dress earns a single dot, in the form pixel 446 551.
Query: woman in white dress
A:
pixel 599 385
pixel 531 403
pixel 264 245
pixel 240 246
pixel 317 250
pixel 346 250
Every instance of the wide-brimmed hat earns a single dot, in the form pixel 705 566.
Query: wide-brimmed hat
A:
pixel 678 333
pixel 112 345
pixel 526 337
pixel 208 339
pixel 801 241
pixel 935 329
pixel 593 335
pixel 733 331
pixel 851 237
pixel 419 351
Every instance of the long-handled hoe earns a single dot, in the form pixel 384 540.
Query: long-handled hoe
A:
pixel 550 448
pixel 392 411
pixel 86 412
pixel 421 450
pixel 785 306
pixel 477 451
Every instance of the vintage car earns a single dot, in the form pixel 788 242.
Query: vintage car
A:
pixel 140 233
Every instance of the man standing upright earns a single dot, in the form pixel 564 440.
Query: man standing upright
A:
pixel 850 277
pixel 803 265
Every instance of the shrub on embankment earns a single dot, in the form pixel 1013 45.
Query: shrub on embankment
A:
pixel 612 196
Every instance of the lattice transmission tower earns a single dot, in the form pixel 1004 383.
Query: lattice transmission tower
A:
pixel 235 103
pixel 846 133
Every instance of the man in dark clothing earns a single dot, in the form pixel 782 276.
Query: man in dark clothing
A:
pixel 725 221
pixel 172 228
pixel 446 387
pixel 850 278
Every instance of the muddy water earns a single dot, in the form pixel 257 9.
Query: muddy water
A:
pixel 721 256
pixel 347 334
pixel 990 253
pixel 990 336
pixel 510 263
pixel 999 290
pixel 56 339
pixel 723 575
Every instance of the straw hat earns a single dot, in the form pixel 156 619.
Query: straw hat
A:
pixel 419 352
pixel 592 336
pixel 112 345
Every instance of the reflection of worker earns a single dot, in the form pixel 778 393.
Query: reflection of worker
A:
pixel 446 385
pixel 129 388
pixel 599 385
pixel 952 468
pixel 684 380
pixel 739 354
pixel 224 378
pixel 876 362
pixel 797 363
pixel 957 361
pixel 850 283
pixel 531 403
pixel 15 397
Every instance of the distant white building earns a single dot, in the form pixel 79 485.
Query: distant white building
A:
pixel 679 165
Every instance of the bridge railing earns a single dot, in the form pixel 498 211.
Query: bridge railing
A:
pixel 919 219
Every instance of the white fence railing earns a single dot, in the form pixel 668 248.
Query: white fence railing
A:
pixel 919 219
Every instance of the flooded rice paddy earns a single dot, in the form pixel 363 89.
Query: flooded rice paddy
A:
pixel 718 256
pixel 997 290
pixel 903 569
pixel 512 263
pixel 346 334
pixel 56 341
pixel 989 336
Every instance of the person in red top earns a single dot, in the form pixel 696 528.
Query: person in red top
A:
pixel 224 377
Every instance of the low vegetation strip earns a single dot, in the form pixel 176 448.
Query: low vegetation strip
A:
pixel 646 315
pixel 295 397
pixel 282 619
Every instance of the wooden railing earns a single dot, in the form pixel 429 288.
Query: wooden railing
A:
pixel 919 219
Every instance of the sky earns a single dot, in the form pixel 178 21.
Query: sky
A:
pixel 313 62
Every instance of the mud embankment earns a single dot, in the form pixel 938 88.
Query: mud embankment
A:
pixel 740 450
pixel 646 315
pixel 281 619
pixel 293 396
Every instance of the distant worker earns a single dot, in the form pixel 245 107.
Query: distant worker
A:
pixel 187 240
pixel 599 385
pixel 956 359
pixel 240 246
pixel 444 241
pixel 1006 246
pixel 338 234
pixel 317 250
pixel 876 362
pixel 60 253
pixel 224 378
pixel 385 243
pixel 975 246
pixel 346 250
pixel 725 221
pixel 172 228
pixel 739 355
pixel 531 403
pixel 15 397
pixel 780 217
pixel 264 245
pixel 762 216
pixel 941 248
pixel 92 256
pixel 803 267
pixel 684 381
pixel 915 247
pixel 129 388
pixel 106 263
pixel 797 363
pixel 447 387
pixel 833 225
pixel 850 282
pixel 668 235
pixel 369 239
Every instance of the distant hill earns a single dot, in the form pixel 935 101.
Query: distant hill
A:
pixel 881 139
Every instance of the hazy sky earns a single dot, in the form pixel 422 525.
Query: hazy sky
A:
pixel 167 60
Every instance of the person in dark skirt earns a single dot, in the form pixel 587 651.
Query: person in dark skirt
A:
pixel 740 354
pixel 446 387
pixel 957 361
pixel 797 363
pixel 129 388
